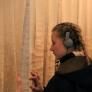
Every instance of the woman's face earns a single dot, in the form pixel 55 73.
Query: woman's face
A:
pixel 57 46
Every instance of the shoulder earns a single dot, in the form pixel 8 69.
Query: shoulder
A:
pixel 73 64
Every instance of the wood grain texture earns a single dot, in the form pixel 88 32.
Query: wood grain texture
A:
pixel 25 37
pixel 11 28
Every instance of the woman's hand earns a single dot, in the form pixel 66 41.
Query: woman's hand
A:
pixel 36 85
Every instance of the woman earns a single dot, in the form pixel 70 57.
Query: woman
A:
pixel 74 73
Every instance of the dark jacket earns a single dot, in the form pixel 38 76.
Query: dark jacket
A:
pixel 73 75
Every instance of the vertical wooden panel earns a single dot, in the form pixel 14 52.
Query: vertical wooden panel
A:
pixel 11 27
pixel 9 49
pixel 25 49
pixel 19 15
pixel 66 10
pixel 1 46
pixel 89 27
pixel 82 17
pixel 74 9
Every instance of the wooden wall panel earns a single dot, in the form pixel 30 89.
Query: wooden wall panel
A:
pixel 11 30
pixel 1 47
pixel 89 27
pixel 25 37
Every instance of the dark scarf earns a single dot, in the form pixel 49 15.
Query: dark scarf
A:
pixel 66 57
pixel 70 63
